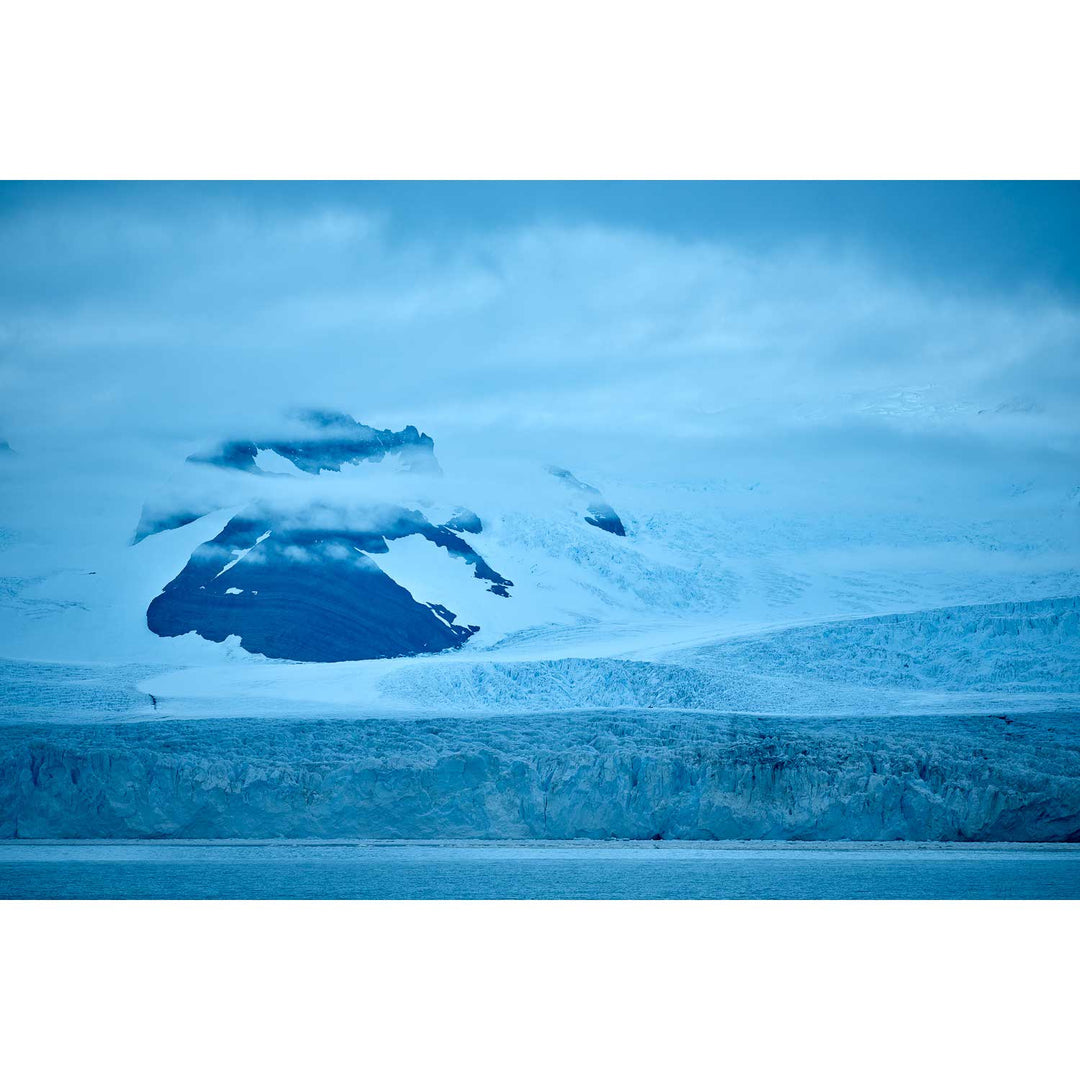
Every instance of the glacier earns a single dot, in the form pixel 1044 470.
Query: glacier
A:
pixel 663 775
pixel 953 724
pixel 728 663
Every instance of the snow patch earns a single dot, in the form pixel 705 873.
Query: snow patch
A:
pixel 241 553
pixel 270 461
pixel 433 576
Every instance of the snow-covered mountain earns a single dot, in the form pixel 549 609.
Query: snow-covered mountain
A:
pixel 622 655
pixel 294 574
pixel 319 538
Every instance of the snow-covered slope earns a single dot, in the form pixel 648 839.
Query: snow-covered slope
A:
pixel 996 658
pixel 529 557
pixel 989 656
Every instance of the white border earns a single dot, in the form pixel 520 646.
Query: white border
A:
pixel 571 989
pixel 419 90
pixel 483 89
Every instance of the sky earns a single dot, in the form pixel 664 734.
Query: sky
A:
pixel 683 329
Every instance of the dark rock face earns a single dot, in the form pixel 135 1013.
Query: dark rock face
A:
pixel 465 521
pixel 310 594
pixel 335 440
pixel 603 517
pixel 230 455
pixel 598 512
pixel 300 595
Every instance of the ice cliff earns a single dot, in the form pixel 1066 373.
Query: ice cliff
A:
pixel 633 774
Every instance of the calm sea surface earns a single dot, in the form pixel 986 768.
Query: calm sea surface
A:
pixel 496 870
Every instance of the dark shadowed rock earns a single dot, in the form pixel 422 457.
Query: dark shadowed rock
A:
pixel 298 595
pixel 330 440
pixel 465 521
pixel 230 455
pixel 598 512
pixel 154 521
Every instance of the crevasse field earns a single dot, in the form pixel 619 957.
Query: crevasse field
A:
pixel 549 563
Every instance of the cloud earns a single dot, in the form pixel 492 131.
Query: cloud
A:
pixel 132 337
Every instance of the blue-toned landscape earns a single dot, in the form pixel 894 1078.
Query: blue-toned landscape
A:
pixel 540 541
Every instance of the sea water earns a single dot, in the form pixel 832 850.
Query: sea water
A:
pixel 538 870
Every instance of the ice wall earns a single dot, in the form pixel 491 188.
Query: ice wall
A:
pixel 634 774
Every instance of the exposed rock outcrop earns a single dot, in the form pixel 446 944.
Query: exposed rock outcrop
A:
pixel 597 512
pixel 327 441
